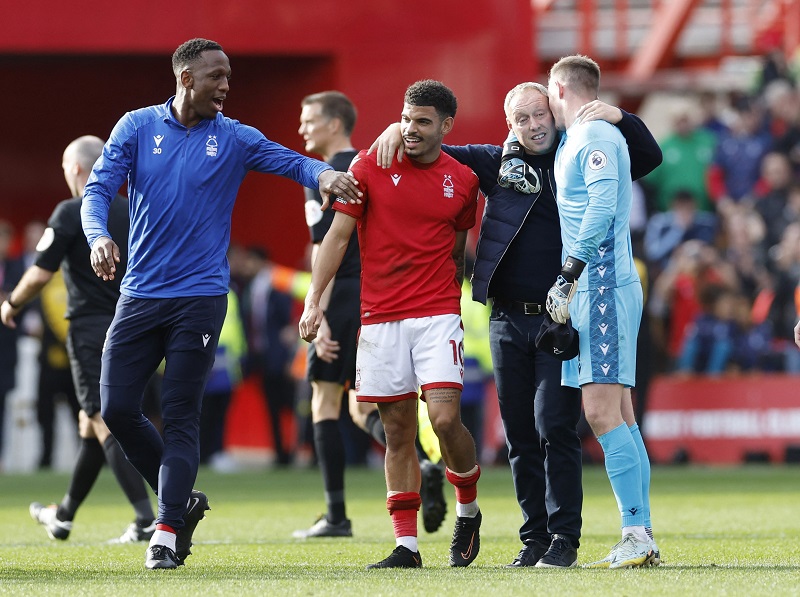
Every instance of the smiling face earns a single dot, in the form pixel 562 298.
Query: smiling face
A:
pixel 423 130
pixel 206 82
pixel 528 116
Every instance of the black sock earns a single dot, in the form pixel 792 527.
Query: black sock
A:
pixel 87 467
pixel 375 427
pixel 129 480
pixel 330 453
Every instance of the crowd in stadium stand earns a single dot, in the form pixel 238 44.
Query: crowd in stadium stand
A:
pixel 719 235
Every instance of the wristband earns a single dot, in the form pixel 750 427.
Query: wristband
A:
pixel 572 269
pixel 512 149
pixel 12 305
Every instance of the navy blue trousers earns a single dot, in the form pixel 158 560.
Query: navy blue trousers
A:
pixel 183 331
pixel 540 418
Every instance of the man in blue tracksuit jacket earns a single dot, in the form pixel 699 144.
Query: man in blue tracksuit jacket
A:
pixel 518 257
pixel 184 162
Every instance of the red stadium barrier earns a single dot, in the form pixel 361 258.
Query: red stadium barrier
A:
pixel 723 420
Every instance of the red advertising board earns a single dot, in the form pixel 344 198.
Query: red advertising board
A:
pixel 723 420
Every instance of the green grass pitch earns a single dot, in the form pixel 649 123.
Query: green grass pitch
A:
pixel 721 531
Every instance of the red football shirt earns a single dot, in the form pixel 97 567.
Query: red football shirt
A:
pixel 407 227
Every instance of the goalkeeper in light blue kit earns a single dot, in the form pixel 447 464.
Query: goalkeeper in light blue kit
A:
pixel 599 288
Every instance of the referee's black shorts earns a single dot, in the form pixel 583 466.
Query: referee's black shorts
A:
pixel 85 348
pixel 344 319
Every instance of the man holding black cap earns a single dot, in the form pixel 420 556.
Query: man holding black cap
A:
pixel 558 339
pixel 518 257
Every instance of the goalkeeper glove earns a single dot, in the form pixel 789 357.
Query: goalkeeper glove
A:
pixel 514 172
pixel 562 292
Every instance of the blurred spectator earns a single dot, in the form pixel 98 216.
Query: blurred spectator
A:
pixel 791 211
pixel 778 298
pixel 225 376
pixel 665 231
pixel 776 180
pixel 711 337
pixel 30 319
pixel 237 260
pixel 774 68
pixel 744 253
pixel 710 118
pixel 752 350
pixel 737 161
pixel 783 104
pixel 688 151
pixel 30 238
pixel 639 215
pixel 10 273
pixel 271 340
pixel 55 375
pixel 674 304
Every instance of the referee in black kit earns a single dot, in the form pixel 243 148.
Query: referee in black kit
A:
pixel 91 303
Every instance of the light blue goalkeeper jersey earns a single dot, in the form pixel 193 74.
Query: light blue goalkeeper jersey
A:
pixel 182 184
pixel 593 178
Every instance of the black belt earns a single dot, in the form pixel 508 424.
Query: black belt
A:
pixel 526 308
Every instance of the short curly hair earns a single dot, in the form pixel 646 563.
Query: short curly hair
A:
pixel 189 51
pixel 432 93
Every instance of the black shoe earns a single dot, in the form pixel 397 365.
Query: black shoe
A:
pixel 530 554
pixel 195 512
pixel 401 557
pixel 323 528
pixel 160 556
pixel 434 506
pixel 466 540
pixel 560 554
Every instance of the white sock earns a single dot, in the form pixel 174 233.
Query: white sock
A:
pixel 408 542
pixel 163 538
pixel 636 531
pixel 469 510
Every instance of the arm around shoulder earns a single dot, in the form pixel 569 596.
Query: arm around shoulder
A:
pixel 644 150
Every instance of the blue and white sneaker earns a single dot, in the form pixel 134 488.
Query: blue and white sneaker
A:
pixel 630 552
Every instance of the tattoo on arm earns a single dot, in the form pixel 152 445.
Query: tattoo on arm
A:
pixel 460 266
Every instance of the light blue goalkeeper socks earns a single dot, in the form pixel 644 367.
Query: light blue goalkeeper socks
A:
pixel 644 465
pixel 624 473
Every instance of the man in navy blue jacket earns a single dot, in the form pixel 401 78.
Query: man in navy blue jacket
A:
pixel 184 162
pixel 518 257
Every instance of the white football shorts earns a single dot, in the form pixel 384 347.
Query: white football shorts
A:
pixel 397 358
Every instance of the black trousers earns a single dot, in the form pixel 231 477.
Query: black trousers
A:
pixel 184 331
pixel 540 418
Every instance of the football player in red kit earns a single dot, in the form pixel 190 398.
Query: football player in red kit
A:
pixel 412 229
